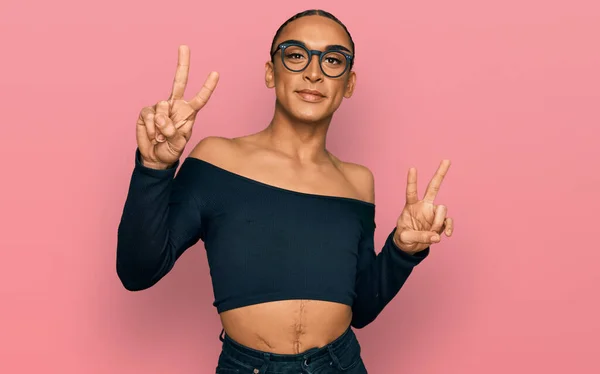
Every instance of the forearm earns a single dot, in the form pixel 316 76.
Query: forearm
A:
pixel 149 238
pixel 379 281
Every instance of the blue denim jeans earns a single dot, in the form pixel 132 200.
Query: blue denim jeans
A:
pixel 340 356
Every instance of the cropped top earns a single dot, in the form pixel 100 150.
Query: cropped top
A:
pixel 263 243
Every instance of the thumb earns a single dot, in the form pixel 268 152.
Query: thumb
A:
pixel 165 126
pixel 412 237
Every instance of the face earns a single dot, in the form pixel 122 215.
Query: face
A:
pixel 317 33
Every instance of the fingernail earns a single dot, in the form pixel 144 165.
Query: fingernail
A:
pixel 435 238
pixel 161 138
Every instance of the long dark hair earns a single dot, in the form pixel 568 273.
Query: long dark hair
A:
pixel 314 12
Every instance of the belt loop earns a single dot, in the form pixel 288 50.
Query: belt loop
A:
pixel 334 357
pixel 221 335
pixel 267 358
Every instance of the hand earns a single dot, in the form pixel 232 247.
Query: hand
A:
pixel 421 222
pixel 164 129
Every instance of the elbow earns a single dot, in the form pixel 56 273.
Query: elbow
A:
pixel 364 314
pixel 139 272
pixel 359 322
pixel 134 285
pixel 358 325
pixel 134 280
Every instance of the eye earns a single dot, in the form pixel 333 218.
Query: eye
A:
pixel 293 55
pixel 333 60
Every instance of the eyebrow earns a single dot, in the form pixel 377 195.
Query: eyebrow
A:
pixel 330 46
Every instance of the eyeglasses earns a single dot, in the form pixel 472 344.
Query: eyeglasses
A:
pixel 334 62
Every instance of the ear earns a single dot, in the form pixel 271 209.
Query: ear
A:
pixel 350 85
pixel 269 75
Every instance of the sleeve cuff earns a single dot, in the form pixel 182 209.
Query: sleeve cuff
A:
pixel 158 173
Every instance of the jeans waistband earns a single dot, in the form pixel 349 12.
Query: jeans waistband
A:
pixel 257 357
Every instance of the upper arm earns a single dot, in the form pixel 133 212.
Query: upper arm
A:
pixel 368 184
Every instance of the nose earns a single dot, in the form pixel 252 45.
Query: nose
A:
pixel 313 72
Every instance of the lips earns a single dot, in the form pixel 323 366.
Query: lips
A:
pixel 311 95
pixel 312 92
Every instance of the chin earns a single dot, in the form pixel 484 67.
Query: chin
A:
pixel 309 115
pixel 309 112
pixel 304 112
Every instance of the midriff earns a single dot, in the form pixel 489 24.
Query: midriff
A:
pixel 288 326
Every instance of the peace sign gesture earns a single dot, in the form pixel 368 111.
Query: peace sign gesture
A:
pixel 421 222
pixel 164 129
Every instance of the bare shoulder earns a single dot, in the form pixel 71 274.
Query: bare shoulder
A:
pixel 361 178
pixel 214 149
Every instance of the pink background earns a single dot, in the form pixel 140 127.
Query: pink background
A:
pixel 508 90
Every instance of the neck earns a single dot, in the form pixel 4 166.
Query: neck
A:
pixel 300 140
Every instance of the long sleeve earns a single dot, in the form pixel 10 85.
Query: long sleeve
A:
pixel 160 220
pixel 380 277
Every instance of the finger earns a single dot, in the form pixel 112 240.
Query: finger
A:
pixel 147 115
pixel 412 195
pixel 440 216
pixel 449 226
pixel 206 91
pixel 165 125
pixel 162 108
pixel 144 142
pixel 425 237
pixel 174 137
pixel 434 185
pixel 181 74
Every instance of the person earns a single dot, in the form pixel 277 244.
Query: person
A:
pixel 288 227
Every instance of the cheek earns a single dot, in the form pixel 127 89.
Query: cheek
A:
pixel 283 83
pixel 338 96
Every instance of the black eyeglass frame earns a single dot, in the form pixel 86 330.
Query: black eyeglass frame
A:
pixel 311 53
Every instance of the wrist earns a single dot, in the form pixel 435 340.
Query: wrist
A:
pixel 155 165
pixel 150 164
